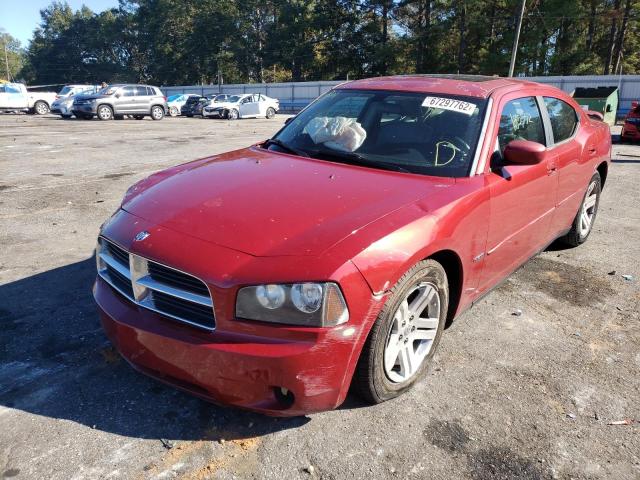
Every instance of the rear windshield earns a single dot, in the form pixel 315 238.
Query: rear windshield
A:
pixel 424 133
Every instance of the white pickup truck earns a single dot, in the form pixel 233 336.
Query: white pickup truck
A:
pixel 15 97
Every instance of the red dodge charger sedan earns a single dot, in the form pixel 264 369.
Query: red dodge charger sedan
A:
pixel 274 277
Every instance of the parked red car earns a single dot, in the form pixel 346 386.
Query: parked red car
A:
pixel 273 277
pixel 631 127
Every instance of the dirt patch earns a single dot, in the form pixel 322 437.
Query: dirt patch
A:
pixel 578 286
pixel 110 355
pixel 112 176
pixel 449 436
pixel 503 464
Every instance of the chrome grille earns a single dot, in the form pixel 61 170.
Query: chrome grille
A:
pixel 164 290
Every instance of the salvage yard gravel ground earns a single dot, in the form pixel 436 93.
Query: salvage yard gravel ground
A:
pixel 551 392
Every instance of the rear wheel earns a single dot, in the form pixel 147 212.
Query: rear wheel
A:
pixel 174 112
pixel 105 112
pixel 271 112
pixel 583 222
pixel 157 112
pixel 405 335
pixel 232 114
pixel 41 108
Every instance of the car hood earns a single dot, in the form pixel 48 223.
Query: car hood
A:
pixel 269 204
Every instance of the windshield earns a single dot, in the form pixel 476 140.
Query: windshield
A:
pixel 173 98
pixel 65 90
pixel 233 99
pixel 429 134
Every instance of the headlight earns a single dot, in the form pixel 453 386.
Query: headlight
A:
pixel 308 304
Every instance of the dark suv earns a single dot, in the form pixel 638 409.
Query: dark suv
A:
pixel 116 101
pixel 195 105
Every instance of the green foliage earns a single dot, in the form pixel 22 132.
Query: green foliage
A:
pixel 14 59
pixel 201 41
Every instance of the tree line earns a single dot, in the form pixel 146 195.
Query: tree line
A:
pixel 177 42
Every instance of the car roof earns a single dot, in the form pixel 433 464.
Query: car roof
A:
pixel 470 85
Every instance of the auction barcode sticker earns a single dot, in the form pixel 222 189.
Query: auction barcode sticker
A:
pixel 450 104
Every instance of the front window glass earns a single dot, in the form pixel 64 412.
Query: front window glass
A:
pixel 563 118
pixel 429 134
pixel 521 120
pixel 108 91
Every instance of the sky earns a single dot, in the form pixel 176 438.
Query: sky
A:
pixel 20 17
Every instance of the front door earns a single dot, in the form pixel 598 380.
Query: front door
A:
pixel 249 106
pixel 522 196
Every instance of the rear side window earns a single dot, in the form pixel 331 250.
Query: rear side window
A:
pixel 521 120
pixel 128 91
pixel 564 119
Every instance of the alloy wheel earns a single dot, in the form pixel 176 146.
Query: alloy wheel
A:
pixel 588 210
pixel 104 113
pixel 41 108
pixel 157 113
pixel 412 333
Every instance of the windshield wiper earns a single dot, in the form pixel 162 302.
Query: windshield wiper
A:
pixel 357 159
pixel 281 144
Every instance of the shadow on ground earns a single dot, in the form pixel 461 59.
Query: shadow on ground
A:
pixel 56 362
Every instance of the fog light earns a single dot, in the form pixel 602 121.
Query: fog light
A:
pixel 284 396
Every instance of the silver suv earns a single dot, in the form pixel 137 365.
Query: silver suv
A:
pixel 118 100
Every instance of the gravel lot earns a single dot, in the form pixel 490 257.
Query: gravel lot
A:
pixel 529 396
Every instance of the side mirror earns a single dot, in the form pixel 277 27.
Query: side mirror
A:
pixel 117 95
pixel 524 152
pixel 608 108
pixel 286 122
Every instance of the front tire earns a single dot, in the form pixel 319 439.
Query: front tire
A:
pixel 41 108
pixel 270 113
pixel 405 335
pixel 583 222
pixel 232 114
pixel 174 112
pixel 105 112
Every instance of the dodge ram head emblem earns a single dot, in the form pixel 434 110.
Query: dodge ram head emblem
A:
pixel 141 236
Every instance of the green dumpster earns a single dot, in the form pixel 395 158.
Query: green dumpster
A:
pixel 599 99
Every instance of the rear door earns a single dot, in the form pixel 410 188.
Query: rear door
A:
pixel 522 196
pixel 126 103
pixel 567 152
pixel 142 101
